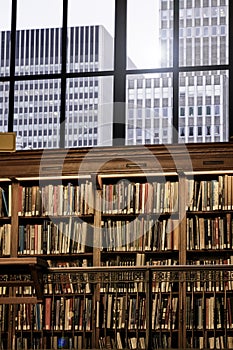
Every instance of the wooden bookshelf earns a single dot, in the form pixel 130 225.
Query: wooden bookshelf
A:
pixel 32 268
pixel 117 247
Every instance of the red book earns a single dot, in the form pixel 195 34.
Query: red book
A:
pixel 48 305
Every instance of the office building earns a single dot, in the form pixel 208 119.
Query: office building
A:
pixel 203 94
pixel 37 102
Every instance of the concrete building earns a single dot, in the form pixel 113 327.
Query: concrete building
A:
pixel 37 102
pixel 203 95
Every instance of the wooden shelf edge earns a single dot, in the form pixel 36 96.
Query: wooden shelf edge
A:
pixel 32 266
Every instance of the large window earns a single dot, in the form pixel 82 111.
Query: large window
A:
pixel 78 73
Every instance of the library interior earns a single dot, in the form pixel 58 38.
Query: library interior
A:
pixel 116 174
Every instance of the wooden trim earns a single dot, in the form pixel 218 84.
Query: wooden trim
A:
pixel 110 160
pixel 19 300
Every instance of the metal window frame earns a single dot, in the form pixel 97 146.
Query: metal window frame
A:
pixel 120 72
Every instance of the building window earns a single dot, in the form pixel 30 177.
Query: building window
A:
pixel 208 110
pixel 199 110
pixel 190 111
pixel 201 26
pixel 182 132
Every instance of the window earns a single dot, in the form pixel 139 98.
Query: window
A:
pixel 190 111
pixel 182 111
pixel 208 130
pixel 203 40
pixel 208 110
pixel 182 132
pixel 199 110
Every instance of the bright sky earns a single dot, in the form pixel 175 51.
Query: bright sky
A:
pixel 142 25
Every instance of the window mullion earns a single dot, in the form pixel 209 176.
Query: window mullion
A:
pixel 175 71
pixel 119 119
pixel 63 75
pixel 230 28
pixel 12 66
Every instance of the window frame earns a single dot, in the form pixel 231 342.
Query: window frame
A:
pixel 120 72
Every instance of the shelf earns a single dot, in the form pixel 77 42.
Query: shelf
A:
pixel 30 266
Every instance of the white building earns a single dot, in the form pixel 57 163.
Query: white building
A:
pixel 37 102
pixel 203 95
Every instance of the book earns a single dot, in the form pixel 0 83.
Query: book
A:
pixel 48 310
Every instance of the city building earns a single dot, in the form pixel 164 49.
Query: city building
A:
pixel 37 102
pixel 203 93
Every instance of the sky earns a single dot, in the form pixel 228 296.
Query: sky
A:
pixel 142 21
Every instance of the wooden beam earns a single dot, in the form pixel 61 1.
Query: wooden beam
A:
pixel 19 300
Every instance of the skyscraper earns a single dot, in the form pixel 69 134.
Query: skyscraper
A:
pixel 202 96
pixel 37 102
pixel 203 93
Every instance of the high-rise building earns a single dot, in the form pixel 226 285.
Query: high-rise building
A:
pixel 37 102
pixel 203 93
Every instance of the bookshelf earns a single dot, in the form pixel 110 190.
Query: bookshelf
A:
pixel 117 248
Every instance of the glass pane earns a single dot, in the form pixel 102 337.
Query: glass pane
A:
pixel 203 33
pixel 149 34
pixel 203 106
pixel 4 105
pixel 37 113
pixel 38 37
pixel 90 35
pixel 89 112
pixel 149 109
pixel 5 27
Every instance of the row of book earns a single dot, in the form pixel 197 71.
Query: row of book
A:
pixel 120 342
pixel 4 290
pixel 210 342
pixel 122 197
pixel 211 312
pixel 73 236
pixel 61 314
pixel 5 239
pixel 120 312
pixel 4 310
pixel 5 200
pixel 210 232
pixel 68 283
pixel 56 200
pixel 164 312
pixel 210 280
pixel 127 197
pixel 54 342
pixel 51 237
pixel 164 341
pixel 133 281
pixel 127 281
pixel 69 314
pixel 142 233
pixel 205 313
pixel 207 195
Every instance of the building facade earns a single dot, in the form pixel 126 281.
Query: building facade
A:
pixel 203 93
pixel 37 102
